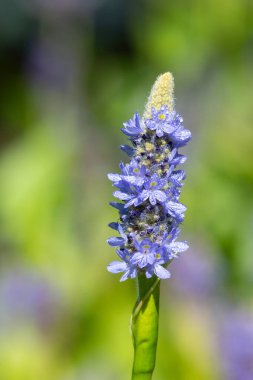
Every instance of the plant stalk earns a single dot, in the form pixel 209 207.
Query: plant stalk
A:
pixel 144 326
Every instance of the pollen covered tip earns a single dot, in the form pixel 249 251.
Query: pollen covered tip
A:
pixel 161 94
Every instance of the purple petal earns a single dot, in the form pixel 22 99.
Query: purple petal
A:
pixel 172 154
pixel 133 273
pixel 179 159
pixel 128 150
pixel 143 262
pixel 163 182
pixel 118 206
pixel 121 196
pixel 159 132
pixel 138 245
pixel 178 208
pixel 178 175
pixel 152 198
pixel 137 121
pixel 168 128
pixel 181 136
pixel 161 272
pixel 122 254
pixel 117 267
pixel 175 232
pixel 115 241
pixel 154 112
pixel 144 242
pixel 134 180
pixel 114 225
pixel 160 195
pixel 179 246
pixel 144 195
pixel 121 231
pixel 122 167
pixel 114 177
pixel 171 168
pixel 130 203
pixel 149 273
pixel 136 258
pixel 125 276
pixel 150 124
pixel 151 259
pixel 132 126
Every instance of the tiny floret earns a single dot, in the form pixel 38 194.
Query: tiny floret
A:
pixel 148 189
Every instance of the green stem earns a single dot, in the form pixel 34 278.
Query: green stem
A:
pixel 144 324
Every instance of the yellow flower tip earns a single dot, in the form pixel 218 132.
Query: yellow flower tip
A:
pixel 161 94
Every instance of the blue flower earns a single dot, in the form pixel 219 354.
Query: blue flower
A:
pixel 135 169
pixel 171 248
pixel 236 342
pixel 175 158
pixel 161 121
pixel 177 177
pixel 148 189
pixel 145 254
pixel 152 190
pixel 158 270
pixel 117 241
pixel 175 209
pixel 132 127
pixel 131 174
pixel 180 136
pixel 125 266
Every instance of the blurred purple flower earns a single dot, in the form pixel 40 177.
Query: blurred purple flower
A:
pixel 236 345
pixel 28 296
pixel 201 273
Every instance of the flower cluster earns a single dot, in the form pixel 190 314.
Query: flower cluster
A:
pixel 149 188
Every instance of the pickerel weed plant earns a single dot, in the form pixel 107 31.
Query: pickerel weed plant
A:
pixel 150 213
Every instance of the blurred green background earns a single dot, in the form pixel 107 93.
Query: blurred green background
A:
pixel 71 72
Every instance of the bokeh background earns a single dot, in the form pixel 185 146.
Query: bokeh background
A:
pixel 71 72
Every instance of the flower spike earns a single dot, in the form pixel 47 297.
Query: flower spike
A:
pixel 149 187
